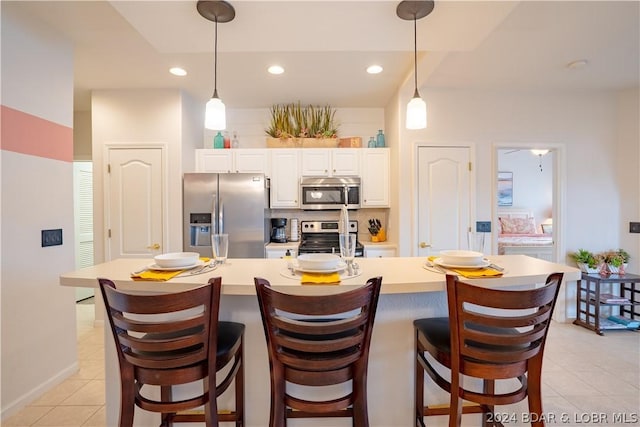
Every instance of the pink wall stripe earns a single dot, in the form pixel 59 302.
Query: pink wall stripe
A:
pixel 27 134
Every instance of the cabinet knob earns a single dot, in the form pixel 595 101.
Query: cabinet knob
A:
pixel 424 245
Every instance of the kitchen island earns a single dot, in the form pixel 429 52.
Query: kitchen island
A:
pixel 409 291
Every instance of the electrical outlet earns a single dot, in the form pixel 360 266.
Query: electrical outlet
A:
pixel 52 237
pixel 634 227
pixel 483 226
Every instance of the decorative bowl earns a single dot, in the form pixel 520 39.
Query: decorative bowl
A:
pixel 177 259
pixel 318 261
pixel 461 257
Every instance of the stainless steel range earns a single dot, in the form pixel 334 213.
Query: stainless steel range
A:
pixel 322 237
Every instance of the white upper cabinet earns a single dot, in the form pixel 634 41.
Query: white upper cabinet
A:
pixel 285 166
pixel 285 178
pixel 330 162
pixel 251 160
pixel 209 160
pixel 254 160
pixel 374 173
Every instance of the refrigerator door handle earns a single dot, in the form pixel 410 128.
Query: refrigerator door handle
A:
pixel 214 214
pixel 221 217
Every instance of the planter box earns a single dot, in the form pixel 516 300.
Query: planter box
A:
pixel 586 269
pixel 302 142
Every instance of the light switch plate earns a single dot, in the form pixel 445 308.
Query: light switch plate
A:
pixel 483 226
pixel 52 237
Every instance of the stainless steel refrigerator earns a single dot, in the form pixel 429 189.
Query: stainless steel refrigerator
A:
pixel 233 203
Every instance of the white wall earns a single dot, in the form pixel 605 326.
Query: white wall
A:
pixel 127 117
pixel 585 123
pixel 250 124
pixel 38 317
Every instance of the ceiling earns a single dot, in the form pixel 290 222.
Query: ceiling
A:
pixel 325 47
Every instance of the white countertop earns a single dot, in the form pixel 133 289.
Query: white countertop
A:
pixel 399 275
pixel 411 292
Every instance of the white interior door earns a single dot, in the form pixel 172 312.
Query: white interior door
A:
pixel 443 186
pixel 83 220
pixel 135 207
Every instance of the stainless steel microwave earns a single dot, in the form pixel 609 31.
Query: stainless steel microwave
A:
pixel 329 193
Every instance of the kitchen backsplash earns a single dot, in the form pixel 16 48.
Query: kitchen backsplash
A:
pixel 361 215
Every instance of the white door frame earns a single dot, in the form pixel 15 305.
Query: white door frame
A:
pixel 565 298
pixel 559 191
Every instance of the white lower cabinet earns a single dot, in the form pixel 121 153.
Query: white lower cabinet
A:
pixel 279 250
pixel 379 251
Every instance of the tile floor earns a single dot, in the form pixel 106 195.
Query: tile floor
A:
pixel 588 379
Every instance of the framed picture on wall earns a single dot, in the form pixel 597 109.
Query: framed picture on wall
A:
pixel 505 188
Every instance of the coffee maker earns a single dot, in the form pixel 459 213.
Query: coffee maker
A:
pixel 279 230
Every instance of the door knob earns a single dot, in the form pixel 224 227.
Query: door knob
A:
pixel 154 247
pixel 424 245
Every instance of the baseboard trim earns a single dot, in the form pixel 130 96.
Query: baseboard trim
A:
pixel 29 397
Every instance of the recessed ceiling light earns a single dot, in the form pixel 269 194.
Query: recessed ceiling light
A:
pixel 374 69
pixel 275 69
pixel 580 63
pixel 177 71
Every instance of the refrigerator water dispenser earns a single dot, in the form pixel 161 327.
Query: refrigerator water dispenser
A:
pixel 200 229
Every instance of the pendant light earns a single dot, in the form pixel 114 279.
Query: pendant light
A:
pixel 416 108
pixel 216 11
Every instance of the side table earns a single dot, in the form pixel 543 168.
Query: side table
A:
pixel 592 303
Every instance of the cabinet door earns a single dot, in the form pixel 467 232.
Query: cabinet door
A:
pixel 251 161
pixel 345 162
pixel 285 181
pixel 316 162
pixel 379 253
pixel 281 253
pixel 218 161
pixel 375 177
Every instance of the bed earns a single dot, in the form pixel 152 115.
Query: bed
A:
pixel 518 233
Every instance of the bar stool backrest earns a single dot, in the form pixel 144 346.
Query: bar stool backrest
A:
pixel 317 340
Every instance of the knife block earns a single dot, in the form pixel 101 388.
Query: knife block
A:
pixel 380 237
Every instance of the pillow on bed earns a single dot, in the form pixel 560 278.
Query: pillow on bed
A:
pixel 518 225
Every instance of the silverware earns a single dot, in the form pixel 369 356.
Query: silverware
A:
pixel 495 267
pixel 142 270
pixel 436 267
pixel 211 264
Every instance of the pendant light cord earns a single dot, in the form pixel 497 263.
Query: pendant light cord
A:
pixel 415 55
pixel 215 61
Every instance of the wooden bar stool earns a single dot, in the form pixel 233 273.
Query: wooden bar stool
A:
pixel 489 335
pixel 318 341
pixel 171 339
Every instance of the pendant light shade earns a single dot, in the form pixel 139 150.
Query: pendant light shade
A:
pixel 416 113
pixel 215 116
pixel 416 108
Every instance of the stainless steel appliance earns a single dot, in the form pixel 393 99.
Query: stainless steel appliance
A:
pixel 232 203
pixel 322 237
pixel 330 193
pixel 279 230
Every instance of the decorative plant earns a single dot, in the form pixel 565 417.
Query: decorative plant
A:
pixel 585 257
pixel 614 258
pixel 280 126
pixel 625 255
pixel 296 121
